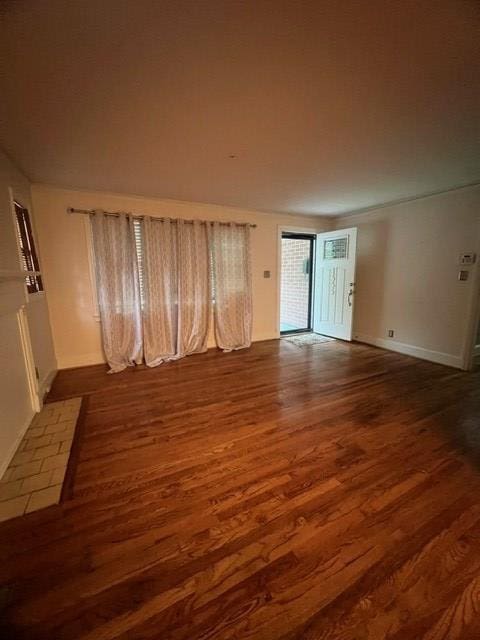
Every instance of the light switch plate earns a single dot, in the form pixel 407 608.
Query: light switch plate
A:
pixel 467 259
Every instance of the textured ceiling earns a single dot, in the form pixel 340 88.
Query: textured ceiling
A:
pixel 328 107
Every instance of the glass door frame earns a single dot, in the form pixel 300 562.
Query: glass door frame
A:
pixel 312 238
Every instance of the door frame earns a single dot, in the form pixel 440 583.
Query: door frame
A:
pixel 474 310
pixel 289 229
pixel 30 368
pixel 312 237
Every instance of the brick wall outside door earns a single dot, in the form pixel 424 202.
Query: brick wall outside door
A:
pixel 295 278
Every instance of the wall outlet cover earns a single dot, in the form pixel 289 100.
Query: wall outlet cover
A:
pixel 467 258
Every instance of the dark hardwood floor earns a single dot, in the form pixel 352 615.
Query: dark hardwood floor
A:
pixel 315 493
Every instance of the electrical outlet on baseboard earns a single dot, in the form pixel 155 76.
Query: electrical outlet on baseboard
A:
pixel 391 333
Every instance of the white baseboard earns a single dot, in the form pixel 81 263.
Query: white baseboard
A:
pixel 80 361
pixel 46 384
pixel 266 336
pixel 97 358
pixel 11 452
pixel 410 350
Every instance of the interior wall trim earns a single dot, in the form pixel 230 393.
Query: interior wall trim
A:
pixel 84 360
pixel 46 384
pixel 338 219
pixel 89 359
pixel 439 357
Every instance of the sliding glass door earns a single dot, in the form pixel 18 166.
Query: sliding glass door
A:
pixel 296 283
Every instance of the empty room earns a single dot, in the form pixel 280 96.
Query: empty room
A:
pixel 239 320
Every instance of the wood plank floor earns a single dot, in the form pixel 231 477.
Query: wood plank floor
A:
pixel 280 493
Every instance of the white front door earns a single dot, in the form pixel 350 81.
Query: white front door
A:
pixel 335 283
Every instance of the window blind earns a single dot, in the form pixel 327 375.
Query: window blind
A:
pixel 137 227
pixel 28 252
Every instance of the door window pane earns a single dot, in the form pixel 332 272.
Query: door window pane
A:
pixel 335 249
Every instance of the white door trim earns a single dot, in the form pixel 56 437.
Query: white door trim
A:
pixel 29 361
pixel 287 229
pixel 474 310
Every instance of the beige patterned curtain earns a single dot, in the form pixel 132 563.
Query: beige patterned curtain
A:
pixel 118 289
pixel 232 285
pixel 176 281
pixel 194 296
pixel 168 317
pixel 159 267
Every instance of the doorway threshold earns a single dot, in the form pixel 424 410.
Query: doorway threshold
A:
pixel 294 332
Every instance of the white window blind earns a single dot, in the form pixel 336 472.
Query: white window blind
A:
pixel 137 227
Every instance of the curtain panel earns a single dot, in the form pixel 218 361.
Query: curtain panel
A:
pixel 176 280
pixel 156 289
pixel 232 285
pixel 118 289
pixel 160 315
pixel 194 298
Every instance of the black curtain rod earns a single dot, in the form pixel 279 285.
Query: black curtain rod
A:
pixel 140 217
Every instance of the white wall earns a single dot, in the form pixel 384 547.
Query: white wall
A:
pixel 407 274
pixel 64 250
pixel 16 408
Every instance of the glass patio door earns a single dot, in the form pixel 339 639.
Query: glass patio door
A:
pixel 296 283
